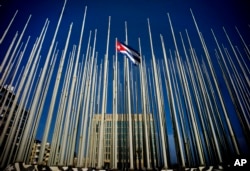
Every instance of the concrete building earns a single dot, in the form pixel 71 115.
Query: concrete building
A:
pixel 7 97
pixel 122 141
pixel 36 151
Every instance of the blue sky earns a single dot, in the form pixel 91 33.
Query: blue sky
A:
pixel 209 14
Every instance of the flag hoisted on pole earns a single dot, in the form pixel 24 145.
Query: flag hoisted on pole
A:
pixel 132 54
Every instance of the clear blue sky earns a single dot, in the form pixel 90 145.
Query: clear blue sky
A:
pixel 209 14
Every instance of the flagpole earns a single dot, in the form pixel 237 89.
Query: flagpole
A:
pixel 12 79
pixel 85 81
pixel 62 108
pixel 87 106
pixel 217 89
pixel 181 111
pixel 40 84
pixel 225 144
pixel 239 91
pixel 8 53
pixel 92 110
pixel 41 102
pixel 162 132
pixel 115 112
pixel 143 96
pixel 98 112
pixel 19 90
pixel 243 41
pixel 14 51
pixel 100 150
pixel 69 106
pixel 6 30
pixel 240 64
pixel 130 144
pixel 18 117
pixel 53 99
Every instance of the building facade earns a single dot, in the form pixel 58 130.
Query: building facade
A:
pixel 36 148
pixel 7 97
pixel 122 141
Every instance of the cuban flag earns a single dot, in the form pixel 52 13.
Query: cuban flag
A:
pixel 132 54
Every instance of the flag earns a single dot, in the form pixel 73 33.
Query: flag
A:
pixel 132 54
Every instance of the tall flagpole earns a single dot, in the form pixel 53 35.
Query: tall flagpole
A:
pixel 91 106
pixel 61 110
pixel 8 53
pixel 87 106
pixel 52 103
pixel 72 92
pixel 246 76
pixel 201 157
pixel 15 122
pixel 6 31
pixel 20 87
pixel 12 79
pixel 38 91
pixel 236 148
pixel 245 45
pixel 144 107
pixel 160 113
pixel 14 51
pixel 173 106
pixel 130 144
pixel 83 100
pixel 100 150
pixel 115 113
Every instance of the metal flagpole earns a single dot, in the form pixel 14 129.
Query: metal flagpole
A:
pixel 173 106
pixel 243 60
pixel 241 84
pixel 220 129
pixel 92 107
pixel 7 76
pixel 115 113
pixel 41 103
pixel 232 83
pixel 239 91
pixel 14 51
pixel 40 84
pixel 12 79
pixel 52 103
pixel 200 101
pixel 245 45
pixel 162 132
pixel 70 149
pixel 61 161
pixel 130 143
pixel 83 100
pixel 18 91
pixel 29 98
pixel 18 112
pixel 217 89
pixel 62 158
pixel 143 99
pixel 181 111
pixel 100 150
pixel 12 94
pixel 88 91
pixel 93 110
pixel 6 31
pixel 8 52
pixel 246 76
pixel 94 149
pixel 233 94
pixel 62 107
